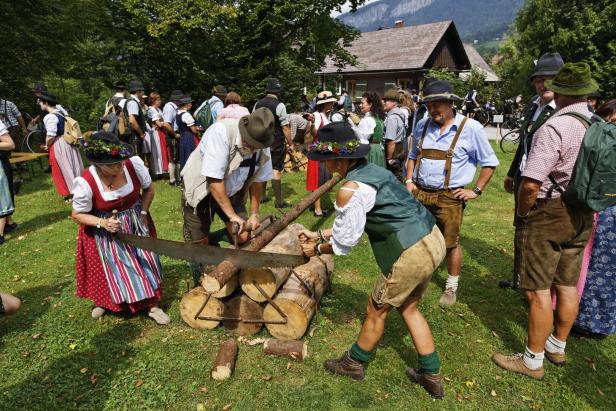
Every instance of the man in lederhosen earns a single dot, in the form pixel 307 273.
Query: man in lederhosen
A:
pixel 539 109
pixel 443 160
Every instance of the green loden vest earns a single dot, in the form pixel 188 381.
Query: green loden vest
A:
pixel 397 220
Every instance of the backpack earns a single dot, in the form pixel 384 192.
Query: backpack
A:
pixel 72 132
pixel 593 182
pixel 115 119
pixel 204 117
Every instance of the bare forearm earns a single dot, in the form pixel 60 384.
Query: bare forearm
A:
pixel 86 219
pixel 218 191
pixel 527 195
pixel 287 135
pixel 485 175
pixel 147 197
pixel 389 149
pixel 410 167
pixel 22 124
pixel 135 125
pixel 256 193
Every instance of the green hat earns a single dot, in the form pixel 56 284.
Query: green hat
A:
pixel 257 129
pixel 392 94
pixel 573 79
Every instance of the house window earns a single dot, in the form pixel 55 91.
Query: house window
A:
pixel 389 85
pixel 404 83
pixel 360 88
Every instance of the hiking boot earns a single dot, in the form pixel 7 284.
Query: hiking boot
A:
pixel 556 358
pixel 433 383
pixel 448 298
pixel 345 365
pixel 508 284
pixel 515 363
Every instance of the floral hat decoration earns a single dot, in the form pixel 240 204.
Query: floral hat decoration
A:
pixel 337 140
pixel 106 148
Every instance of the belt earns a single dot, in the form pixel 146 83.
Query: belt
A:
pixel 542 202
pixel 435 190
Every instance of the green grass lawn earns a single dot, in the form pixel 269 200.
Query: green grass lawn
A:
pixel 54 356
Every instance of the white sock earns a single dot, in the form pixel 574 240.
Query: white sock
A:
pixel 554 345
pixel 171 167
pixel 532 360
pixel 452 282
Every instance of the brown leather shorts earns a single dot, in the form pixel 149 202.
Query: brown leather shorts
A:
pixel 446 209
pixel 551 241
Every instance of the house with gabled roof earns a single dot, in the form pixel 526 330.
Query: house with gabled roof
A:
pixel 401 56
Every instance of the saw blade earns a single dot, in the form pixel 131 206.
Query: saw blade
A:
pixel 209 255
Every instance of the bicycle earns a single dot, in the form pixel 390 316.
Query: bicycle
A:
pixel 34 142
pixel 509 142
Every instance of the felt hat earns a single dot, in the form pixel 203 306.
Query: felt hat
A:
pixel 257 129
pixel 439 90
pixel 48 98
pixel 326 97
pixel 176 95
pixel 185 99
pixel 337 140
pixel 219 91
pixel 106 148
pixel 135 85
pixel 548 65
pixel 120 85
pixel 595 94
pixel 39 88
pixel 573 79
pixel 273 86
pixel 392 94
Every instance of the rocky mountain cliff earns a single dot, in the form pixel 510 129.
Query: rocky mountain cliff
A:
pixel 475 19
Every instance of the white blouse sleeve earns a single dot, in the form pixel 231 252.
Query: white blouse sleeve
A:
pixel 51 124
pixel 351 219
pixel 142 172
pixel 365 129
pixel 82 195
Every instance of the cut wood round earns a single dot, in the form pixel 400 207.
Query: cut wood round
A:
pixel 296 302
pixel 227 289
pixel 271 279
pixel 298 350
pixel 243 307
pixel 224 364
pixel 192 302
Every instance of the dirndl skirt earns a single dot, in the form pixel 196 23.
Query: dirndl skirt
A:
pixel 376 155
pixel 316 175
pixel 6 204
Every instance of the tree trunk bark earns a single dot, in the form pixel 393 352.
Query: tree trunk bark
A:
pixel 298 350
pixel 243 307
pixel 298 303
pixel 224 364
pixel 271 279
pixel 192 302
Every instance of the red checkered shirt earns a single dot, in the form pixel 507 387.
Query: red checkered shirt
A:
pixel 555 148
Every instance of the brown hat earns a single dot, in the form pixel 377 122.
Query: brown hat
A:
pixel 219 91
pixel 392 94
pixel 257 129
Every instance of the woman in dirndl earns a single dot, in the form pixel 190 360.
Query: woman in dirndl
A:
pixel 316 173
pixel 370 128
pixel 158 137
pixel 187 129
pixel 114 195
pixel 6 202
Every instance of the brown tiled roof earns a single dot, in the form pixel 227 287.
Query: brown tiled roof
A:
pixel 478 61
pixel 404 48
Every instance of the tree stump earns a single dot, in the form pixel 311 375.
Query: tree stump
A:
pixel 297 302
pixel 243 307
pixel 271 279
pixel 224 364
pixel 192 302
pixel 298 350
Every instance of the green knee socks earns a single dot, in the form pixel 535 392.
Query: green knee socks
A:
pixel 358 354
pixel 429 364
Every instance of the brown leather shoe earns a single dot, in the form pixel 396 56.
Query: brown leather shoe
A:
pixel 433 383
pixel 515 363
pixel 555 358
pixel 345 365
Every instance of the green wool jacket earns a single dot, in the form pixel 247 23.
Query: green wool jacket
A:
pixel 397 220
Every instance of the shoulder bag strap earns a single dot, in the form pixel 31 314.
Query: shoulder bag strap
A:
pixel 450 152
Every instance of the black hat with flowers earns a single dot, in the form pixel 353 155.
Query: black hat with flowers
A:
pixel 106 148
pixel 337 140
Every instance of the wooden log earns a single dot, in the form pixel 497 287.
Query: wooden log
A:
pixel 249 311
pixel 271 279
pixel 297 302
pixel 224 364
pixel 298 350
pixel 225 270
pixel 226 289
pixel 193 301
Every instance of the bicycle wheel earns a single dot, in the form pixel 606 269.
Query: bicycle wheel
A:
pixel 35 141
pixel 482 117
pixel 509 142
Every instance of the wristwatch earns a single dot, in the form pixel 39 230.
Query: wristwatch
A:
pixel 477 190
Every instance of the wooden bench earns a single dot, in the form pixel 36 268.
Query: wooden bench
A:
pixel 18 158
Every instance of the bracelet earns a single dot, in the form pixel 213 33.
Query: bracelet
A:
pixel 143 212
pixel 98 225
pixel 409 181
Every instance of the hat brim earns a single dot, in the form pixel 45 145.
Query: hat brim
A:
pixel 250 140
pixel 547 73
pixel 572 91
pixel 111 160
pixel 327 100
pixel 361 152
pixel 273 91
pixel 441 96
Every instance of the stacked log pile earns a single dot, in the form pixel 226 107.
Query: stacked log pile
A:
pixel 283 299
